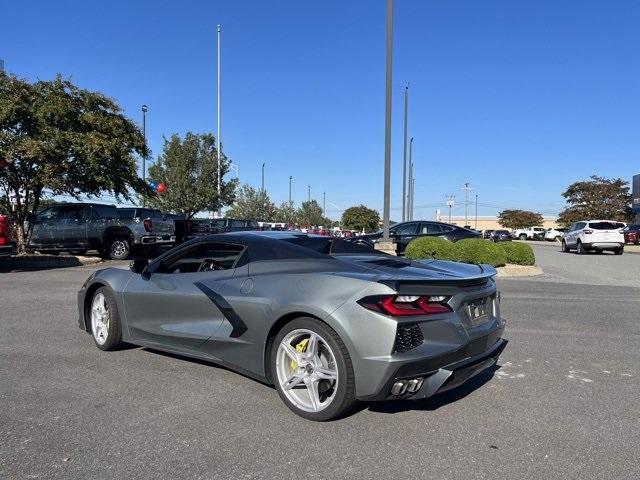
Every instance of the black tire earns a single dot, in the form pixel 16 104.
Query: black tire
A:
pixel 114 335
pixel 523 236
pixel 579 248
pixel 344 399
pixel 564 247
pixel 118 248
pixel 619 251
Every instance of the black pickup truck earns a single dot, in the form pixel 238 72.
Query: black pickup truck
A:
pixel 114 232
pixel 197 227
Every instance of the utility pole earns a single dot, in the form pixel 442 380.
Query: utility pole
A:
pixel 309 193
pixel 219 146
pixel 404 155
pixel 290 180
pixel 466 189
pixel 476 225
pixel 263 176
pixel 413 187
pixel 450 204
pixel 387 123
pixel 410 176
pixel 144 156
pixel 324 204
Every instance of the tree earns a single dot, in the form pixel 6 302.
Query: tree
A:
pixel 359 218
pixel 310 213
pixel 285 213
pixel 252 204
pixel 598 198
pixel 57 138
pixel 519 219
pixel 189 169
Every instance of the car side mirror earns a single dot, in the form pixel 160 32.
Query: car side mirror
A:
pixel 139 265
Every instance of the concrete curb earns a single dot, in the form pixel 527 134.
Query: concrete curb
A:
pixel 519 271
pixel 34 261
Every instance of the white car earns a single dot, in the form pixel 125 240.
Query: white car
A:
pixel 554 234
pixel 531 233
pixel 597 235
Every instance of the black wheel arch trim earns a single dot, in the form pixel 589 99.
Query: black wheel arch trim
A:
pixel 239 327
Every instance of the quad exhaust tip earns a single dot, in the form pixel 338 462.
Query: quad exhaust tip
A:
pixel 409 385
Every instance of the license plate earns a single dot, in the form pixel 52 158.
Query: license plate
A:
pixel 479 310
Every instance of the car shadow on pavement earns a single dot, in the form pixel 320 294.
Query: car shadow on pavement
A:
pixel 437 401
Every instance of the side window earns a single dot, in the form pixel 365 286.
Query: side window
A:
pixel 204 257
pixel 406 229
pixel 430 228
pixel 580 225
pixel 104 211
pixel 73 213
pixel 50 213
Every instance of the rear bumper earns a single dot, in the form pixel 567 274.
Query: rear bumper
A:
pixel 155 239
pixel 444 372
pixel 602 245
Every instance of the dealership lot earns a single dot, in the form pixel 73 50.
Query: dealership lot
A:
pixel 563 403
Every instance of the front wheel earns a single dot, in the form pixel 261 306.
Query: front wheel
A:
pixel 522 236
pixel 312 370
pixel 105 320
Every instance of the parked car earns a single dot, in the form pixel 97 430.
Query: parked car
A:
pixel 6 243
pixel 78 227
pixel 500 236
pixel 596 235
pixel 487 233
pixel 632 234
pixel 198 227
pixel 402 233
pixel 554 234
pixel 252 301
pixel 531 233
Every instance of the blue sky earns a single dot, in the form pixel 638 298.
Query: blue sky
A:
pixel 519 98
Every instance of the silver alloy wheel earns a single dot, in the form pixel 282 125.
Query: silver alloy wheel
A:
pixel 308 375
pixel 100 318
pixel 118 248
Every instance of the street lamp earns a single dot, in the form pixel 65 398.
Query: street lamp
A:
pixel 263 163
pixel 144 155
pixel 387 122
pixel 309 194
pixel 290 180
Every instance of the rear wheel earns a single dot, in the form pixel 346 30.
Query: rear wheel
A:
pixel 579 248
pixel 118 248
pixel 619 251
pixel 105 320
pixel 312 370
pixel 565 248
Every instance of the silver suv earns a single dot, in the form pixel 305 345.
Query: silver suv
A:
pixel 596 235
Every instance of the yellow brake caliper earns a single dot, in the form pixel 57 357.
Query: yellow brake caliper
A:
pixel 301 347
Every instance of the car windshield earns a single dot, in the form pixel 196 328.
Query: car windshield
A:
pixel 605 225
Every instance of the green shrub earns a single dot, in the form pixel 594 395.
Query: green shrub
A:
pixel 430 247
pixel 518 253
pixel 480 251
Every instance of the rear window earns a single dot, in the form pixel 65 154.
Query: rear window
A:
pixel 329 245
pixel 605 225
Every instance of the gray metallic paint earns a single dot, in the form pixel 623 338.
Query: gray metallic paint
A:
pixel 168 312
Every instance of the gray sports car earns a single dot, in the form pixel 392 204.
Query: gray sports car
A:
pixel 326 321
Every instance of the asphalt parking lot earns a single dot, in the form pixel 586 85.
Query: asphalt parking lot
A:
pixel 564 402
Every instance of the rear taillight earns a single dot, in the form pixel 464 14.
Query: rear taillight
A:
pixel 588 232
pixel 406 305
pixel 148 224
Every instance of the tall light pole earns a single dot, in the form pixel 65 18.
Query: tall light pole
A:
pixel 290 180
pixel 476 225
pixel 387 123
pixel 263 163
pixel 144 155
pixel 412 186
pixel 466 189
pixel 219 149
pixel 309 193
pixel 324 204
pixel 404 155
pixel 410 176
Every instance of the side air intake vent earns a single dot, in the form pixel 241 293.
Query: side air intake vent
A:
pixel 408 337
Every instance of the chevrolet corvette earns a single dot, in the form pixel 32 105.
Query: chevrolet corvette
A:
pixel 327 322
